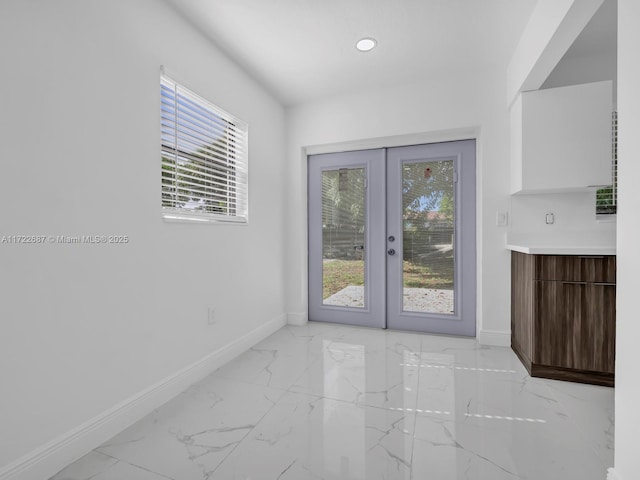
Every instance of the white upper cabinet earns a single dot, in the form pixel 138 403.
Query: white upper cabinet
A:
pixel 561 139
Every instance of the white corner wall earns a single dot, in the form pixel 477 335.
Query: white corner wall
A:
pixel 86 327
pixel 552 28
pixel 627 461
pixel 575 220
pixel 474 102
pixel 575 70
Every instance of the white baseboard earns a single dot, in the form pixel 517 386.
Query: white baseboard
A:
pixel 495 338
pixel 612 475
pixel 52 457
pixel 297 318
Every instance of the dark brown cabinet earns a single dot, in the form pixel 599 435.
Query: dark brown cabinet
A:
pixel 563 316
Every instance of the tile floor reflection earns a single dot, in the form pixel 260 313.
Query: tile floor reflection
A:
pixel 333 402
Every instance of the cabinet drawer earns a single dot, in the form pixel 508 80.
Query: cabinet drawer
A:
pixel 575 268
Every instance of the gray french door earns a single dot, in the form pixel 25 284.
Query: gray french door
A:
pixel 392 238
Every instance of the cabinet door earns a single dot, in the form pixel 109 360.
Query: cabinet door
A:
pixel 566 138
pixel 522 304
pixel 598 329
pixel 576 325
pixel 558 324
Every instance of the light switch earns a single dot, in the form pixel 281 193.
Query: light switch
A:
pixel 502 219
pixel 550 219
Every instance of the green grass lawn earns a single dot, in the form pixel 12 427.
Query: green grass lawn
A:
pixel 438 275
pixel 339 274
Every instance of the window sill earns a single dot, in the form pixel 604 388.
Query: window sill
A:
pixel 195 218
pixel 606 218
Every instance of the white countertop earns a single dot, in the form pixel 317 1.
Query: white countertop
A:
pixel 566 243
pixel 557 249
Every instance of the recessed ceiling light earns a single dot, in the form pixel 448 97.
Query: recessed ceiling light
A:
pixel 366 44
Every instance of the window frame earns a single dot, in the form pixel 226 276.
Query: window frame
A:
pixel 607 196
pixel 213 177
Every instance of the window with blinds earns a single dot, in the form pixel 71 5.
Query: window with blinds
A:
pixel 607 197
pixel 204 158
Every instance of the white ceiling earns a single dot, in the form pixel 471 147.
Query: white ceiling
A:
pixel 305 49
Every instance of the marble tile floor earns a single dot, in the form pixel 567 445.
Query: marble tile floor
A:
pixel 334 402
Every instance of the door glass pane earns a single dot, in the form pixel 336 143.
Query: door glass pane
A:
pixel 343 235
pixel 428 211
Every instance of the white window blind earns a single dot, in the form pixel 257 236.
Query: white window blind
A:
pixel 607 198
pixel 204 158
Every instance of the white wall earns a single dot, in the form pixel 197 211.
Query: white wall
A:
pixel 574 212
pixel 627 461
pixel 592 58
pixel 84 327
pixel 451 102
pixel 552 28
pixel 574 70
pixel 575 220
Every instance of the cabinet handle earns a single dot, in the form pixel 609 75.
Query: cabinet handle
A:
pixel 574 283
pixel 592 256
pixel 604 284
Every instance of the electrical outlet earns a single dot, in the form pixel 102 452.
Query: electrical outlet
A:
pixel 211 318
pixel 550 219
pixel 502 219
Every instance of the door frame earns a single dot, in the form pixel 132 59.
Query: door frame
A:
pixel 446 135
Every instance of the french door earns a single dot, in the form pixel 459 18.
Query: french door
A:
pixel 392 238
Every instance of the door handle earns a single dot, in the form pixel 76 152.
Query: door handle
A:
pixel 391 251
pixel 358 247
